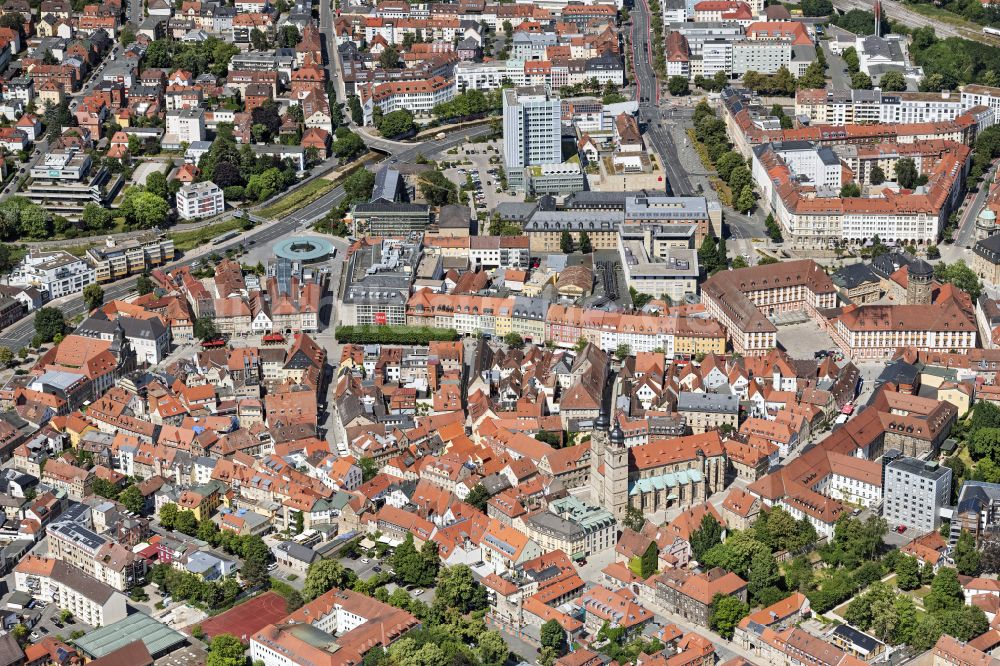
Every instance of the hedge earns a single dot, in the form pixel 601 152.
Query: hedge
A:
pixel 402 335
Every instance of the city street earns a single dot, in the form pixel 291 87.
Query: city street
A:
pixel 967 223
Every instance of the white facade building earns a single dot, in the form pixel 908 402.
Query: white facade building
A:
pixel 532 131
pixel 57 273
pixel 196 200
pixel 185 126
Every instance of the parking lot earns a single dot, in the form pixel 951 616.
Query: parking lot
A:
pixel 485 164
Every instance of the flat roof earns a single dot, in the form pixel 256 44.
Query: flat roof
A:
pixel 157 637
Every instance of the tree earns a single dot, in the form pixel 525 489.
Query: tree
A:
pixel 707 536
pixel 93 296
pixel 967 557
pixel 437 189
pixel 851 59
pixel 457 588
pixel 908 573
pixel 725 613
pixel 395 124
pixel 49 323
pixel 906 172
pixel 226 650
pixel 478 497
pixel 773 228
pixel 960 275
pixel 97 217
pixel 861 81
pixel 566 242
pixel 299 522
pixel 892 81
pixel 493 650
pixel 850 190
pixel 813 78
pixel 186 522
pixel 634 518
pixel 369 468
pixel 168 515
pixel 143 210
pixel 132 499
pixel 513 340
pixel 946 591
pixel 623 351
pixel 764 577
pixel 354 107
pixel 553 636
pixel 264 185
pixel 105 489
pixel 406 561
pixel 6 356
pixel 877 175
pixel 745 202
pixel 324 575
pixel 207 531
pixel 678 85
pixel 389 58
pixel 156 183
pixel 144 285
pixel 585 244
pixel 204 328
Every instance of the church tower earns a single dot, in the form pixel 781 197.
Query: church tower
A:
pixel 616 473
pixel 598 443
pixel 918 284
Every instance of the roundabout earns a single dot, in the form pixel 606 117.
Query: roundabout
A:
pixel 306 249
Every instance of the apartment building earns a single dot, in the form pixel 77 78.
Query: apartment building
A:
pixel 690 594
pixel 89 600
pixel 848 107
pixel 118 259
pixel 184 126
pixel 109 562
pixel 197 200
pixel 75 481
pixel 56 273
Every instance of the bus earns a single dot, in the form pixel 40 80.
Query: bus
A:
pixel 991 31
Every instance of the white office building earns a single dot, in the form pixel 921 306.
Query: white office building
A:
pixel 532 131
pixel 196 200
pixel 915 492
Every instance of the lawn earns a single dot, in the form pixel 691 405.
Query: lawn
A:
pixel 933 12
pixel 306 194
pixel 185 241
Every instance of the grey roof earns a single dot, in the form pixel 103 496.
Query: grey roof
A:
pixel 85 585
pixel 10 652
pixel 854 275
pixel 454 216
pixel 157 637
pixel 716 403
pixel 881 47
pixel 921 468
pixel 388 185
pixel 299 552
